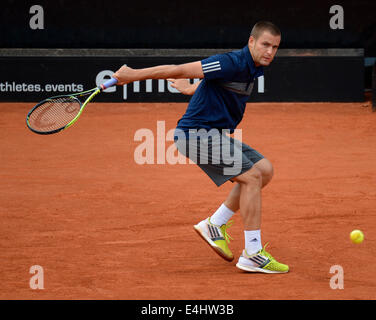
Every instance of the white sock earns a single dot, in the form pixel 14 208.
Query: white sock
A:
pixel 221 216
pixel 252 241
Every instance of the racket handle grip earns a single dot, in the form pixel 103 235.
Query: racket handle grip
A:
pixel 108 83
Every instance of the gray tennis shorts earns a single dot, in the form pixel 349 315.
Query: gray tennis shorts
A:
pixel 220 156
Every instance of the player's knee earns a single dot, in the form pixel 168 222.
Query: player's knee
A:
pixel 266 169
pixel 251 177
pixel 256 174
pixel 267 176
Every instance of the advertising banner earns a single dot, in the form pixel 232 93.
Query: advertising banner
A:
pixel 288 78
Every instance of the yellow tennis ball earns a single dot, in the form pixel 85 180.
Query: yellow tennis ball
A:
pixel 357 236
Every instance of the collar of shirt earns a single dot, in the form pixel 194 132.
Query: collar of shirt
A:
pixel 255 71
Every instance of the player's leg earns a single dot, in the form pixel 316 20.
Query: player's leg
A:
pixel 254 257
pixel 250 183
pixel 233 198
pixel 263 169
pixel 214 228
pixel 226 210
pixel 223 160
pixel 203 151
pixel 266 169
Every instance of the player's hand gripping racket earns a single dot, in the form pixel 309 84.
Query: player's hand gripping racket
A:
pixel 60 112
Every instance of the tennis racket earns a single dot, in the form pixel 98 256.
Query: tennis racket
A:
pixel 57 113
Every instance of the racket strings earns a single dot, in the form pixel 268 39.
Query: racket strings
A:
pixel 54 114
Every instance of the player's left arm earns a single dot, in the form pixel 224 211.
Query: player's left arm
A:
pixel 184 85
pixel 182 71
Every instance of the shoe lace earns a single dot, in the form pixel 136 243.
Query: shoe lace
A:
pixel 224 231
pixel 265 253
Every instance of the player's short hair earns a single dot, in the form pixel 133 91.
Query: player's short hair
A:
pixel 262 26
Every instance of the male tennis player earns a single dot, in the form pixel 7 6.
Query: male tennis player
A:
pixel 216 107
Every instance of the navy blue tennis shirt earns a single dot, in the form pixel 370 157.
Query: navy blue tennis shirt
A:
pixel 220 99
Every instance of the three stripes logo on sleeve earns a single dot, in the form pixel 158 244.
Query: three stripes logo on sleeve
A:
pixel 211 66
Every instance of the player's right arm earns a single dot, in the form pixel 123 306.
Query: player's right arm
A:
pixel 182 71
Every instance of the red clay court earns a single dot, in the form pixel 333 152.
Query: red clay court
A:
pixel 104 227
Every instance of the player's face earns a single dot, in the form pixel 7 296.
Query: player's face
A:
pixel 264 48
